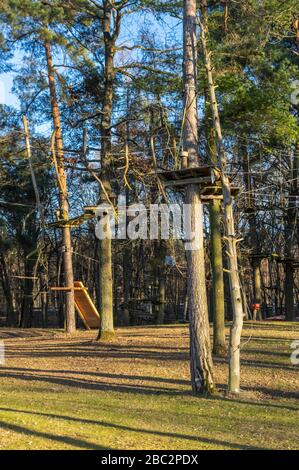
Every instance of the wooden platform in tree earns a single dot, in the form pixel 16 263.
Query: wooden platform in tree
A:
pixel 288 259
pixel 184 176
pixel 275 257
pixel 89 213
pixel 84 305
pixel 206 177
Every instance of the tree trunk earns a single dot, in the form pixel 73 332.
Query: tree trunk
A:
pixel 106 331
pixel 27 304
pixel 291 233
pixel 63 200
pixel 230 238
pixel 200 349
pixel 219 345
pixel 31 168
pixel 253 233
pixel 127 273
pixel 11 319
pixel 256 311
pixel 44 297
pixel 161 298
pixel 161 281
pixel 218 310
pixel 289 292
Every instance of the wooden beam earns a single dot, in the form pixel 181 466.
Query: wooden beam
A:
pixel 67 289
pixel 185 181
pixel 210 197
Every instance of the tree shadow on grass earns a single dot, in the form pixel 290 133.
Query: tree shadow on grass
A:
pixel 267 352
pixel 198 439
pixel 267 365
pixel 273 393
pixel 247 402
pixel 141 389
pixel 96 385
pixel 257 364
pixel 267 339
pixel 114 351
pixel 78 443
pixel 149 378
pixel 268 392
pixel 89 349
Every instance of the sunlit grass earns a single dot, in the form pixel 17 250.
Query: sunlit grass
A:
pixel 61 393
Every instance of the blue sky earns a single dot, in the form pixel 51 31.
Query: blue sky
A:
pixel 6 95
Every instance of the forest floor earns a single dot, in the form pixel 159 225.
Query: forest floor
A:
pixel 134 393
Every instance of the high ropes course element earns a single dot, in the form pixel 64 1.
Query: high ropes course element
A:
pixel 84 305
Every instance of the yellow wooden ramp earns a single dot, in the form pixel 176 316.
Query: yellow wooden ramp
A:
pixel 85 306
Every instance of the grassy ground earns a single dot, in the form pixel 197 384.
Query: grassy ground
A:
pixel 72 393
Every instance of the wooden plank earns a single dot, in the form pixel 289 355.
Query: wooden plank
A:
pixel 216 190
pixel 183 173
pixel 66 289
pixel 74 222
pixel 184 182
pixel 90 211
pixel 210 197
pixel 210 190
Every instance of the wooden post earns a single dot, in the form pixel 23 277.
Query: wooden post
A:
pixel 184 159
pixel 200 349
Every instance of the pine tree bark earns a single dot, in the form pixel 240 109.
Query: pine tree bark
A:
pixel 70 318
pixel 200 348
pixel 111 29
